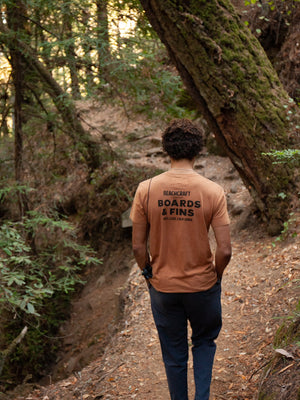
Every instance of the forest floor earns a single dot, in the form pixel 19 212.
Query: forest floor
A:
pixel 259 293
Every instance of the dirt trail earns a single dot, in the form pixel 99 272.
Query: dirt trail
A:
pixel 258 289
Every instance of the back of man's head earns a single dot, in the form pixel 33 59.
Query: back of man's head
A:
pixel 182 139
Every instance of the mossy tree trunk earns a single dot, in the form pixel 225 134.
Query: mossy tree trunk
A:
pixel 233 83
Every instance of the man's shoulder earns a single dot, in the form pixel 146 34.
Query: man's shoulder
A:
pixel 146 184
pixel 210 185
pixel 204 183
pixel 155 178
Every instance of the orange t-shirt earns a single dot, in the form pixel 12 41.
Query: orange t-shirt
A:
pixel 180 207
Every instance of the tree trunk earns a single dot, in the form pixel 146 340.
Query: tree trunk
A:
pixel 64 104
pixel 103 38
pixel 88 48
pixel 15 20
pixel 5 110
pixel 234 85
pixel 70 50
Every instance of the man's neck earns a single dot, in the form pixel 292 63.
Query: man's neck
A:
pixel 182 164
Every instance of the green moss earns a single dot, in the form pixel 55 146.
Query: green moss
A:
pixel 266 396
pixel 289 331
pixel 287 334
pixel 238 73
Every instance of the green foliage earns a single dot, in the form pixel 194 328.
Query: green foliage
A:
pixel 145 79
pixel 27 276
pixel 247 2
pixel 13 190
pixel 289 226
pixel 40 266
pixel 289 156
pixel 115 55
pixel 38 349
pixel 272 4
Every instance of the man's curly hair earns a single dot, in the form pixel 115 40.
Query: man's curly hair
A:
pixel 182 139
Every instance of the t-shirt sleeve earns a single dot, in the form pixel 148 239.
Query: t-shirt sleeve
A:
pixel 138 213
pixel 220 214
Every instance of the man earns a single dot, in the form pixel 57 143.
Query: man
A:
pixel 175 210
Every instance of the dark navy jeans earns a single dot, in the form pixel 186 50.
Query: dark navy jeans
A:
pixel 171 312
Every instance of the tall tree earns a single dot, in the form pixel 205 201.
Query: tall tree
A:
pixel 64 104
pixel 16 22
pixel 71 58
pixel 236 88
pixel 103 47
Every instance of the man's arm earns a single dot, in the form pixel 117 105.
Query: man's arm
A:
pixel 139 244
pixel 223 250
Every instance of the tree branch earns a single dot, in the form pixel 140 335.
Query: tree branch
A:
pixel 7 352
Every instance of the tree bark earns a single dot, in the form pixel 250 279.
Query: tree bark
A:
pixel 15 21
pixel 238 92
pixel 4 111
pixel 64 104
pixel 70 51
pixel 88 48
pixel 103 38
